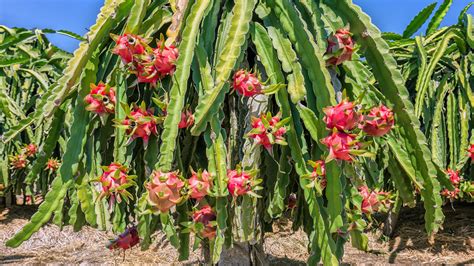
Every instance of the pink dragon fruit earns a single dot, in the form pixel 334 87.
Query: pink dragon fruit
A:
pixel 199 184
pixel 371 200
pixel 145 70
pixel 52 165
pixel 141 123
pixel 18 161
pixel 206 217
pixel 164 190
pixel 292 201
pixel 340 145
pixel 240 182
pixel 30 150
pixel 340 47
pixel 101 99
pixel 165 58
pixel 471 151
pixel 128 46
pixel 379 121
pixel 341 116
pixel 246 83
pixel 268 130
pixel 453 176
pixel 187 119
pixel 451 194
pixel 125 240
pixel 114 181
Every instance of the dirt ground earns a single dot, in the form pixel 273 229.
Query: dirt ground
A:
pixel 454 244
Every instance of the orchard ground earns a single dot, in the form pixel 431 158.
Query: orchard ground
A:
pixel 454 244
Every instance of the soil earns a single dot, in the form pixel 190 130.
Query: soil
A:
pixel 453 245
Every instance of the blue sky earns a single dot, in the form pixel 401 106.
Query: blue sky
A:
pixel 78 15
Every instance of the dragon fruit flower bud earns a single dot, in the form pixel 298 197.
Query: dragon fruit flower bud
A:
pixel 18 161
pixel 378 122
pixel 52 165
pixel 128 46
pixel 340 47
pixel 246 83
pixel 187 119
pixel 340 145
pixel 30 150
pixel 454 176
pixel 164 190
pixel 268 130
pixel 165 58
pixel 342 116
pixel 207 218
pixel 101 99
pixel 141 123
pixel 200 184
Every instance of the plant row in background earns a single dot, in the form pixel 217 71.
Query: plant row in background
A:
pixel 246 111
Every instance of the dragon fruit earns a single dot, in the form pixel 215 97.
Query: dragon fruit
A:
pixel 319 172
pixel 340 145
pixel 187 119
pixel 199 184
pixel 141 123
pixel 372 201
pixel 114 181
pixel 340 47
pixel 379 121
pixel 246 83
pixel 451 194
pixel 101 99
pixel 128 46
pixel 30 150
pixel 453 176
pixel 18 161
pixel 52 165
pixel 164 190
pixel 240 182
pixel 165 58
pixel 341 116
pixel 145 69
pixel 292 201
pixel 125 240
pixel 471 151
pixel 207 220
pixel 268 130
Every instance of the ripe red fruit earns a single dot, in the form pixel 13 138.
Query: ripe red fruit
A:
pixel 30 150
pixel 246 83
pixel 101 99
pixel 125 240
pixel 340 47
pixel 164 190
pixel 371 200
pixel 200 184
pixel 471 151
pixel 128 46
pixel 379 121
pixel 341 116
pixel 141 124
pixel 453 176
pixel 451 194
pixel 267 131
pixel 239 182
pixel 340 145
pixel 165 58
pixel 187 119
pixel 18 161
pixel 207 218
pixel 113 180
pixel 52 165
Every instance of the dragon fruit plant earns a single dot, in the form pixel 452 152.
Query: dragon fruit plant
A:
pixel 174 67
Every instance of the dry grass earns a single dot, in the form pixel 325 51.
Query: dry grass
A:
pixel 283 247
